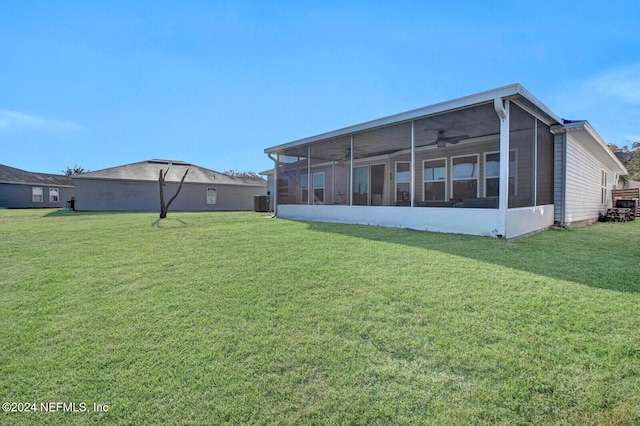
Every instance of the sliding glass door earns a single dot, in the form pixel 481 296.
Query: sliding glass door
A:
pixel 368 185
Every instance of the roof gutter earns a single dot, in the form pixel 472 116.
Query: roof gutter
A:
pixel 506 92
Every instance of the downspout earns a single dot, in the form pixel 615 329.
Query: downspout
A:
pixel 276 164
pixel 502 110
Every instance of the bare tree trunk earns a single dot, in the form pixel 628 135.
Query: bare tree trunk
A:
pixel 164 208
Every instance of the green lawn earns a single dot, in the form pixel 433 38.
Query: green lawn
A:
pixel 214 318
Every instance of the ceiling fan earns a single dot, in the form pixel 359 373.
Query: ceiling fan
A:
pixel 344 153
pixel 442 140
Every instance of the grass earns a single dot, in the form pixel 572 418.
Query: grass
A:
pixel 234 318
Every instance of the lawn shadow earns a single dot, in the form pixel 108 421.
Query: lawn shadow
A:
pixel 605 256
pixel 157 223
pixel 67 213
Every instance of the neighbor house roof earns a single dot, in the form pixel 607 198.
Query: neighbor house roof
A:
pixel 22 177
pixel 149 171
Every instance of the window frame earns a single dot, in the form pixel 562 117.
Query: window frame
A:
pixel 35 194
pixel 215 198
pixel 304 188
pixel 477 172
pixel 283 186
pixel 424 181
pixel 315 188
pixel 397 181
pixel 603 187
pixel 514 176
pixel 54 198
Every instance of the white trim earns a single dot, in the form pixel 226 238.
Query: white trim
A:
pixel 489 96
pixel 322 187
pixel 368 166
pixel 396 181
pixel 477 178
pixel 303 188
pixel 212 200
pixel 412 168
pixel 37 191
pixel 603 187
pixel 57 200
pixel 515 176
pixel 446 171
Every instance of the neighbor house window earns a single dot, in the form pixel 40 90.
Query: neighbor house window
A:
pixel 212 196
pixel 304 186
pixel 492 174
pixel 403 182
pixel 435 178
pixel 603 184
pixel 464 177
pixel 36 194
pixel 54 195
pixel 318 188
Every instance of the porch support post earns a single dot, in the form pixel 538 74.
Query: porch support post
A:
pixel 309 183
pixel 276 163
pixel 413 166
pixel 502 109
pixel 351 172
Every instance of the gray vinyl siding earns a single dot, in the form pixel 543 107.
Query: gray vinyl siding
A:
pixel 111 195
pixel 583 184
pixel 19 196
pixel 559 178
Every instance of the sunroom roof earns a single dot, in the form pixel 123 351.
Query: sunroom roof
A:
pixel 514 91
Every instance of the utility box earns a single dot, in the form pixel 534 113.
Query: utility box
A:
pixel 261 203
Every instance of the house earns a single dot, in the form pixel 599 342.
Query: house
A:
pixel 135 187
pixel 498 163
pixel 22 189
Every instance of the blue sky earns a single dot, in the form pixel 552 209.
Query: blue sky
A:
pixel 105 83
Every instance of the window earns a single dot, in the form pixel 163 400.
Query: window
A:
pixel 435 178
pixel 36 195
pixel 54 195
pixel 403 182
pixel 492 174
pixel 318 188
pixel 283 187
pixel 464 177
pixel 603 184
pixel 361 186
pixel 304 186
pixel 212 196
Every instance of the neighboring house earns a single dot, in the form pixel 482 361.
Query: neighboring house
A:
pixel 22 189
pixel 497 163
pixel 135 187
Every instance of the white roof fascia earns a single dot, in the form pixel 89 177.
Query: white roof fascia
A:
pixel 586 127
pixel 512 90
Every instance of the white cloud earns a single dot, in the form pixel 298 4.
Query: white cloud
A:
pixel 13 120
pixel 610 101
pixel 621 83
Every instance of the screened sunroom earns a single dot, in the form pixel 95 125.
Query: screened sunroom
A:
pixel 481 165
